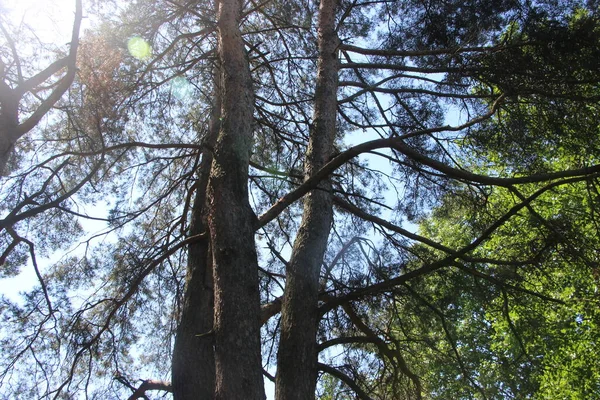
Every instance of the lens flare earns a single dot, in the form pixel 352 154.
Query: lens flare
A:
pixel 139 48
pixel 181 88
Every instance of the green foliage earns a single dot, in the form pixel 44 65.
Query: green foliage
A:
pixel 492 294
pixel 517 317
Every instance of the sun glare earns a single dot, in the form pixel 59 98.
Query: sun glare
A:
pixel 139 48
pixel 51 20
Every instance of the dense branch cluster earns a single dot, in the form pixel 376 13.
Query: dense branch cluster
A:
pixel 351 199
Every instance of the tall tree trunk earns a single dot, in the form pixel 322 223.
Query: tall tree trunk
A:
pixel 297 356
pixel 231 221
pixel 9 122
pixel 193 368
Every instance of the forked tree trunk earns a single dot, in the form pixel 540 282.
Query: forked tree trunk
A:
pixel 297 356
pixel 231 220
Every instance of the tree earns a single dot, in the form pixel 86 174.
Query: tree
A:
pixel 208 131
pixel 515 319
pixel 19 93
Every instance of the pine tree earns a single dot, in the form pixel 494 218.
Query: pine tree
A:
pixel 351 199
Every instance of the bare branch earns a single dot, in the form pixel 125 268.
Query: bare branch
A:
pixel 148 385
pixel 63 84
pixel 336 373
pixel 429 52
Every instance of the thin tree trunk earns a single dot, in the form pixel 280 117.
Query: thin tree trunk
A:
pixel 193 368
pixel 297 356
pixel 231 220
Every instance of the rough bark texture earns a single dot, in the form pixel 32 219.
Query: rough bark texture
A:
pixel 193 369
pixel 297 356
pixel 231 221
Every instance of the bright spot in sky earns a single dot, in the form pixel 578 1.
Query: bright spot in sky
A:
pixel 51 20
pixel 139 48
pixel 181 88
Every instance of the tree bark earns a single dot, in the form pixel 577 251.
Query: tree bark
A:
pixel 231 223
pixel 9 121
pixel 193 368
pixel 297 356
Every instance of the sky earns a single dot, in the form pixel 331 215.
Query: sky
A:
pixel 51 20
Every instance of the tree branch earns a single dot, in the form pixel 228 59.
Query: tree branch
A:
pixel 150 384
pixel 380 287
pixel 398 144
pixel 336 373
pixel 384 349
pixel 63 84
pixel 431 52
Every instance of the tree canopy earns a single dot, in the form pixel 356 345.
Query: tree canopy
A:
pixel 350 199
